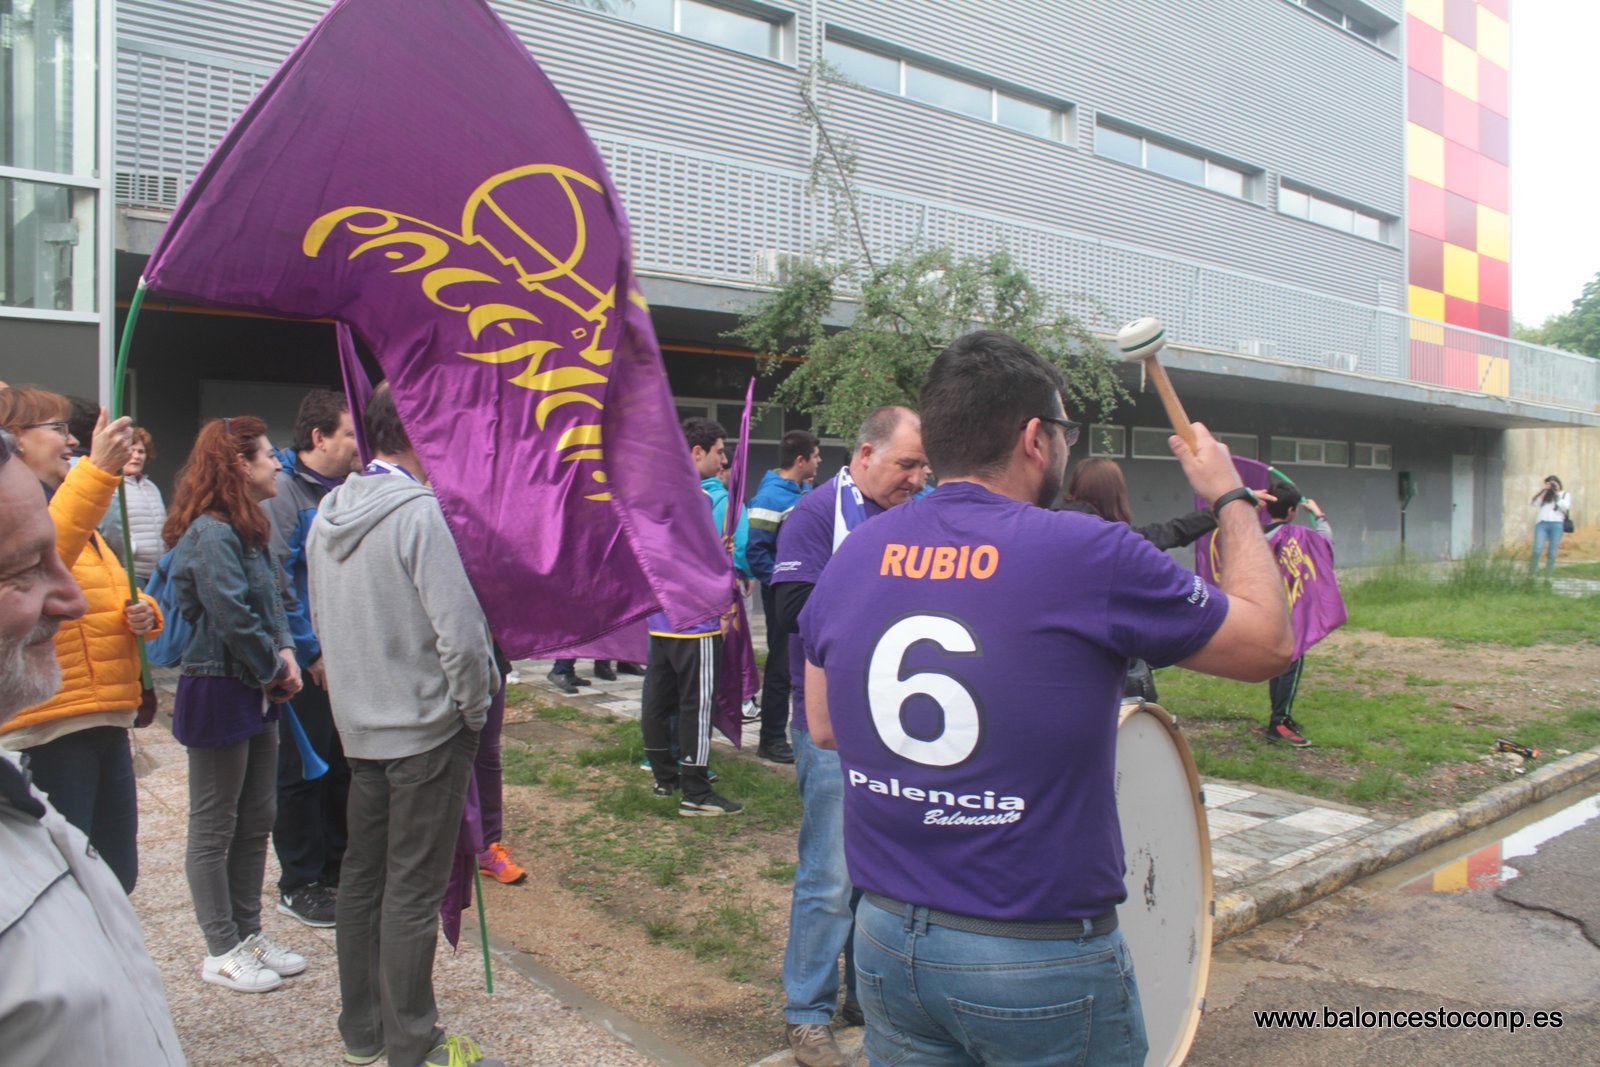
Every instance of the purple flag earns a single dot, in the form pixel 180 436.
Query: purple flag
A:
pixel 410 171
pixel 737 679
pixel 1305 561
pixel 357 387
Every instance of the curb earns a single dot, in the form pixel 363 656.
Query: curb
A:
pixel 1280 894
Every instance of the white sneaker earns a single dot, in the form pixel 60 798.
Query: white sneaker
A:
pixel 514 678
pixel 238 969
pixel 275 956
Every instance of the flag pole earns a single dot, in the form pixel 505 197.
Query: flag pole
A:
pixel 483 930
pixel 118 382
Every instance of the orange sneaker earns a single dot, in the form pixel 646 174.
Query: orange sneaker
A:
pixel 495 862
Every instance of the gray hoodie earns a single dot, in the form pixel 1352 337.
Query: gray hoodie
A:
pixel 404 641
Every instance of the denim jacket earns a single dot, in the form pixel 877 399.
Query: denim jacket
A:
pixel 233 595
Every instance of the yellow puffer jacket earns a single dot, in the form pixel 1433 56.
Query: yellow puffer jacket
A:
pixel 99 655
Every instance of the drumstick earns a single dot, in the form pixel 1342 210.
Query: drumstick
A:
pixel 1139 341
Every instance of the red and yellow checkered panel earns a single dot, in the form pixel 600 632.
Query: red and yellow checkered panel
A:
pixel 1458 53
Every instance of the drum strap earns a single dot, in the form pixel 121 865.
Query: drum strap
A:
pixel 1058 930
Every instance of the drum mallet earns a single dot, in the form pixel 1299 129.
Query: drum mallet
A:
pixel 1138 342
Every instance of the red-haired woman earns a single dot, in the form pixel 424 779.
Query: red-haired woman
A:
pixel 77 741
pixel 1098 487
pixel 238 664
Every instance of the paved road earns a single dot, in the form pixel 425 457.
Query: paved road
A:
pixel 1394 943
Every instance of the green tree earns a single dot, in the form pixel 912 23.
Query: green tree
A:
pixel 906 310
pixel 1579 329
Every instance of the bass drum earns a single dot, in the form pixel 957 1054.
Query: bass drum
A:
pixel 1167 849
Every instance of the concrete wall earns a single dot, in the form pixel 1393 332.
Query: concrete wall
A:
pixel 1569 454
pixel 60 356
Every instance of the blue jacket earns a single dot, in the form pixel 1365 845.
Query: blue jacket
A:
pixel 718 493
pixel 233 595
pixel 291 512
pixel 775 497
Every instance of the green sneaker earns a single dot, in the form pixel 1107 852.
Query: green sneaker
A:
pixel 460 1052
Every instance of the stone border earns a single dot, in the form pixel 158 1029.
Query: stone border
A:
pixel 1280 894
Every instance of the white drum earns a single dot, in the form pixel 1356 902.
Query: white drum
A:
pixel 1167 916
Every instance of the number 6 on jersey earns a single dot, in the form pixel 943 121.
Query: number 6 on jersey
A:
pixel 887 692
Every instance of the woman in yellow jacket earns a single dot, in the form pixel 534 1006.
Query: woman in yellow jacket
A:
pixel 77 742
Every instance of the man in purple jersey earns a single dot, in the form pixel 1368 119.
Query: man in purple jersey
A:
pixel 967 653
pixel 887 469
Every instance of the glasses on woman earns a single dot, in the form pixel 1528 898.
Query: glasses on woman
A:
pixel 59 427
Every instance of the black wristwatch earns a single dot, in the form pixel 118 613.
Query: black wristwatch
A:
pixel 1229 497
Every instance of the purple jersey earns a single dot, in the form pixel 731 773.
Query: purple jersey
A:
pixel 975 649
pixel 805 544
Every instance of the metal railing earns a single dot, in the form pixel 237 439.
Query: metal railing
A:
pixel 718 220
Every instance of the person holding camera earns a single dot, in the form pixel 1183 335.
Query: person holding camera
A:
pixel 1553 520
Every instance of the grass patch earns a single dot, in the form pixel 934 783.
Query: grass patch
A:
pixel 561 713
pixel 1487 599
pixel 1578 570
pixel 779 872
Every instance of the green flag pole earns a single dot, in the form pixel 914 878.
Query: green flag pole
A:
pixel 483 930
pixel 119 380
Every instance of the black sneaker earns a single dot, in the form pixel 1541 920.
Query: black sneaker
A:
pixel 708 805
pixel 661 789
pixel 630 668
pixel 604 672
pixel 777 752
pixel 311 904
pixel 564 682
pixel 1286 732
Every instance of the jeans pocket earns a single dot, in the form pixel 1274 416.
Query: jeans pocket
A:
pixel 885 1044
pixel 1043 1036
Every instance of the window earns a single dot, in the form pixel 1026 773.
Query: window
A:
pixel 1247 445
pixel 1310 452
pixel 47 261
pixel 750 30
pixel 1356 24
pixel 1328 211
pixel 1373 457
pixel 1108 441
pixel 1151 443
pixel 1186 165
pixel 893 74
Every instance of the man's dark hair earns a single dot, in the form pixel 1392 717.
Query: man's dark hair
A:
pixel 81 419
pixel 1288 497
pixel 320 410
pixel 979 393
pixel 796 445
pixel 703 432
pixel 385 433
pixel 8 445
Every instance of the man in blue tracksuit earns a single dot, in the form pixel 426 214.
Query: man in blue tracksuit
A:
pixel 799 456
pixel 309 835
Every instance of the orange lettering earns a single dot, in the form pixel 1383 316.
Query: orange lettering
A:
pixel 985 558
pixel 892 557
pixel 944 562
pixel 912 569
pixel 961 564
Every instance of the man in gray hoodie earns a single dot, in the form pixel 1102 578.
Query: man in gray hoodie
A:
pixel 410 672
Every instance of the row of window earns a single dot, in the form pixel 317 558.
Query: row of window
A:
pixel 1151 443
pixel 882 68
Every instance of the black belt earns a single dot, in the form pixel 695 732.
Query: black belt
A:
pixel 1057 930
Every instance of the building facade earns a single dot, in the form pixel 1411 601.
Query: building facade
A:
pixel 1260 174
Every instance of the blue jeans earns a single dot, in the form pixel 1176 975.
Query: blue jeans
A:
pixel 821 916
pixel 1546 534
pixel 937 996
